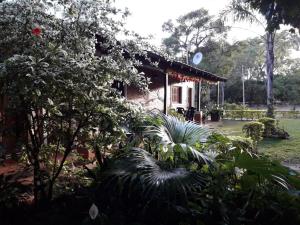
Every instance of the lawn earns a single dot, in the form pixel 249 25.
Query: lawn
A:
pixel 283 150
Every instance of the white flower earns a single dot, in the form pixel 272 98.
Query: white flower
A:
pixel 239 172
pixel 93 211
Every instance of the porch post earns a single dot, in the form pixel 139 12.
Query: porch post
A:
pixel 218 94
pixel 199 95
pixel 223 93
pixel 166 82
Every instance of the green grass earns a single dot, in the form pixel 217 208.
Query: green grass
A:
pixel 283 150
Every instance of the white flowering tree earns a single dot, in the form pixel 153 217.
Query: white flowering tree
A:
pixel 56 84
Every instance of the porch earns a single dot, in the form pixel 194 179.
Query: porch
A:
pixel 174 85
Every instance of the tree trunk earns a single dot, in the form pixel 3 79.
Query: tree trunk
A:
pixel 40 198
pixel 270 69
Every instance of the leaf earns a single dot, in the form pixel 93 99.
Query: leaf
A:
pixel 50 101
pixel 38 92
pixel 149 177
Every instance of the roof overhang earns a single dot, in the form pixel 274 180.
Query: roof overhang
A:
pixel 183 71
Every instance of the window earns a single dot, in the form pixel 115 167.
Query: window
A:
pixel 177 94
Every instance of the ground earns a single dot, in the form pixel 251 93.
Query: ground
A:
pixel 286 151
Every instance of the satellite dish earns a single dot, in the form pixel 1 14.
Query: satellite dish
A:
pixel 197 58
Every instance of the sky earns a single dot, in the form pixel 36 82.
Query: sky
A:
pixel 148 16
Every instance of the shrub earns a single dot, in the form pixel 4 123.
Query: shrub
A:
pixel 271 128
pixel 179 116
pixel 244 114
pixel 269 124
pixel 225 144
pixel 137 186
pixel 254 130
pixel 243 144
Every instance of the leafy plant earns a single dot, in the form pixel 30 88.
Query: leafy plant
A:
pixel 237 186
pixel 145 188
pixel 178 138
pixel 254 130
pixel 60 83
pixel 271 128
pixel 172 112
pixel 269 125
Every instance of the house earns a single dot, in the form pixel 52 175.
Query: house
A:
pixel 173 84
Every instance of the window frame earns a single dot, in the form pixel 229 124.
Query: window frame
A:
pixel 176 94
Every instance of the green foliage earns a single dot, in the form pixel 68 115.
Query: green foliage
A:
pixel 230 144
pixel 243 144
pixel 149 177
pixel 254 130
pixel 271 128
pixel 190 32
pixel 269 125
pixel 235 188
pixel 278 12
pixel 173 113
pixel 244 114
pixel 177 140
pixel 286 87
pixel 54 80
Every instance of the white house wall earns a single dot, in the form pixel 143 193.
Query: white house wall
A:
pixel 185 102
pixel 155 98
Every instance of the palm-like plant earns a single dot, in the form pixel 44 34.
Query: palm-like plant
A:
pixel 144 188
pixel 139 172
pixel 181 136
pixel 183 132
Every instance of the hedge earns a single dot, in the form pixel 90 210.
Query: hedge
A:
pixel 244 114
pixel 249 114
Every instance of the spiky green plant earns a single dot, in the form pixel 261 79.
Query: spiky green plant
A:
pixel 136 171
pixel 179 137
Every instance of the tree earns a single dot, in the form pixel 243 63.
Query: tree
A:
pixel 224 58
pixel 56 84
pixel 272 13
pixel 278 12
pixel 190 32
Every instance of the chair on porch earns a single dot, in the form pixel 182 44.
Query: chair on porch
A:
pixel 190 114
pixel 180 110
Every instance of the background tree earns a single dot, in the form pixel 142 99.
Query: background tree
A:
pixel 57 85
pixel 190 32
pixel 279 12
pixel 272 13
pixel 221 57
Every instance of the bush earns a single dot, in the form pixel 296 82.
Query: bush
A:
pixel 172 186
pixel 269 124
pixel 243 144
pixel 254 130
pixel 172 112
pixel 272 130
pixel 244 114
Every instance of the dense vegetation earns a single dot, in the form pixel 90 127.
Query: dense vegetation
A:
pixel 55 85
pixel 59 62
pixel 217 180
